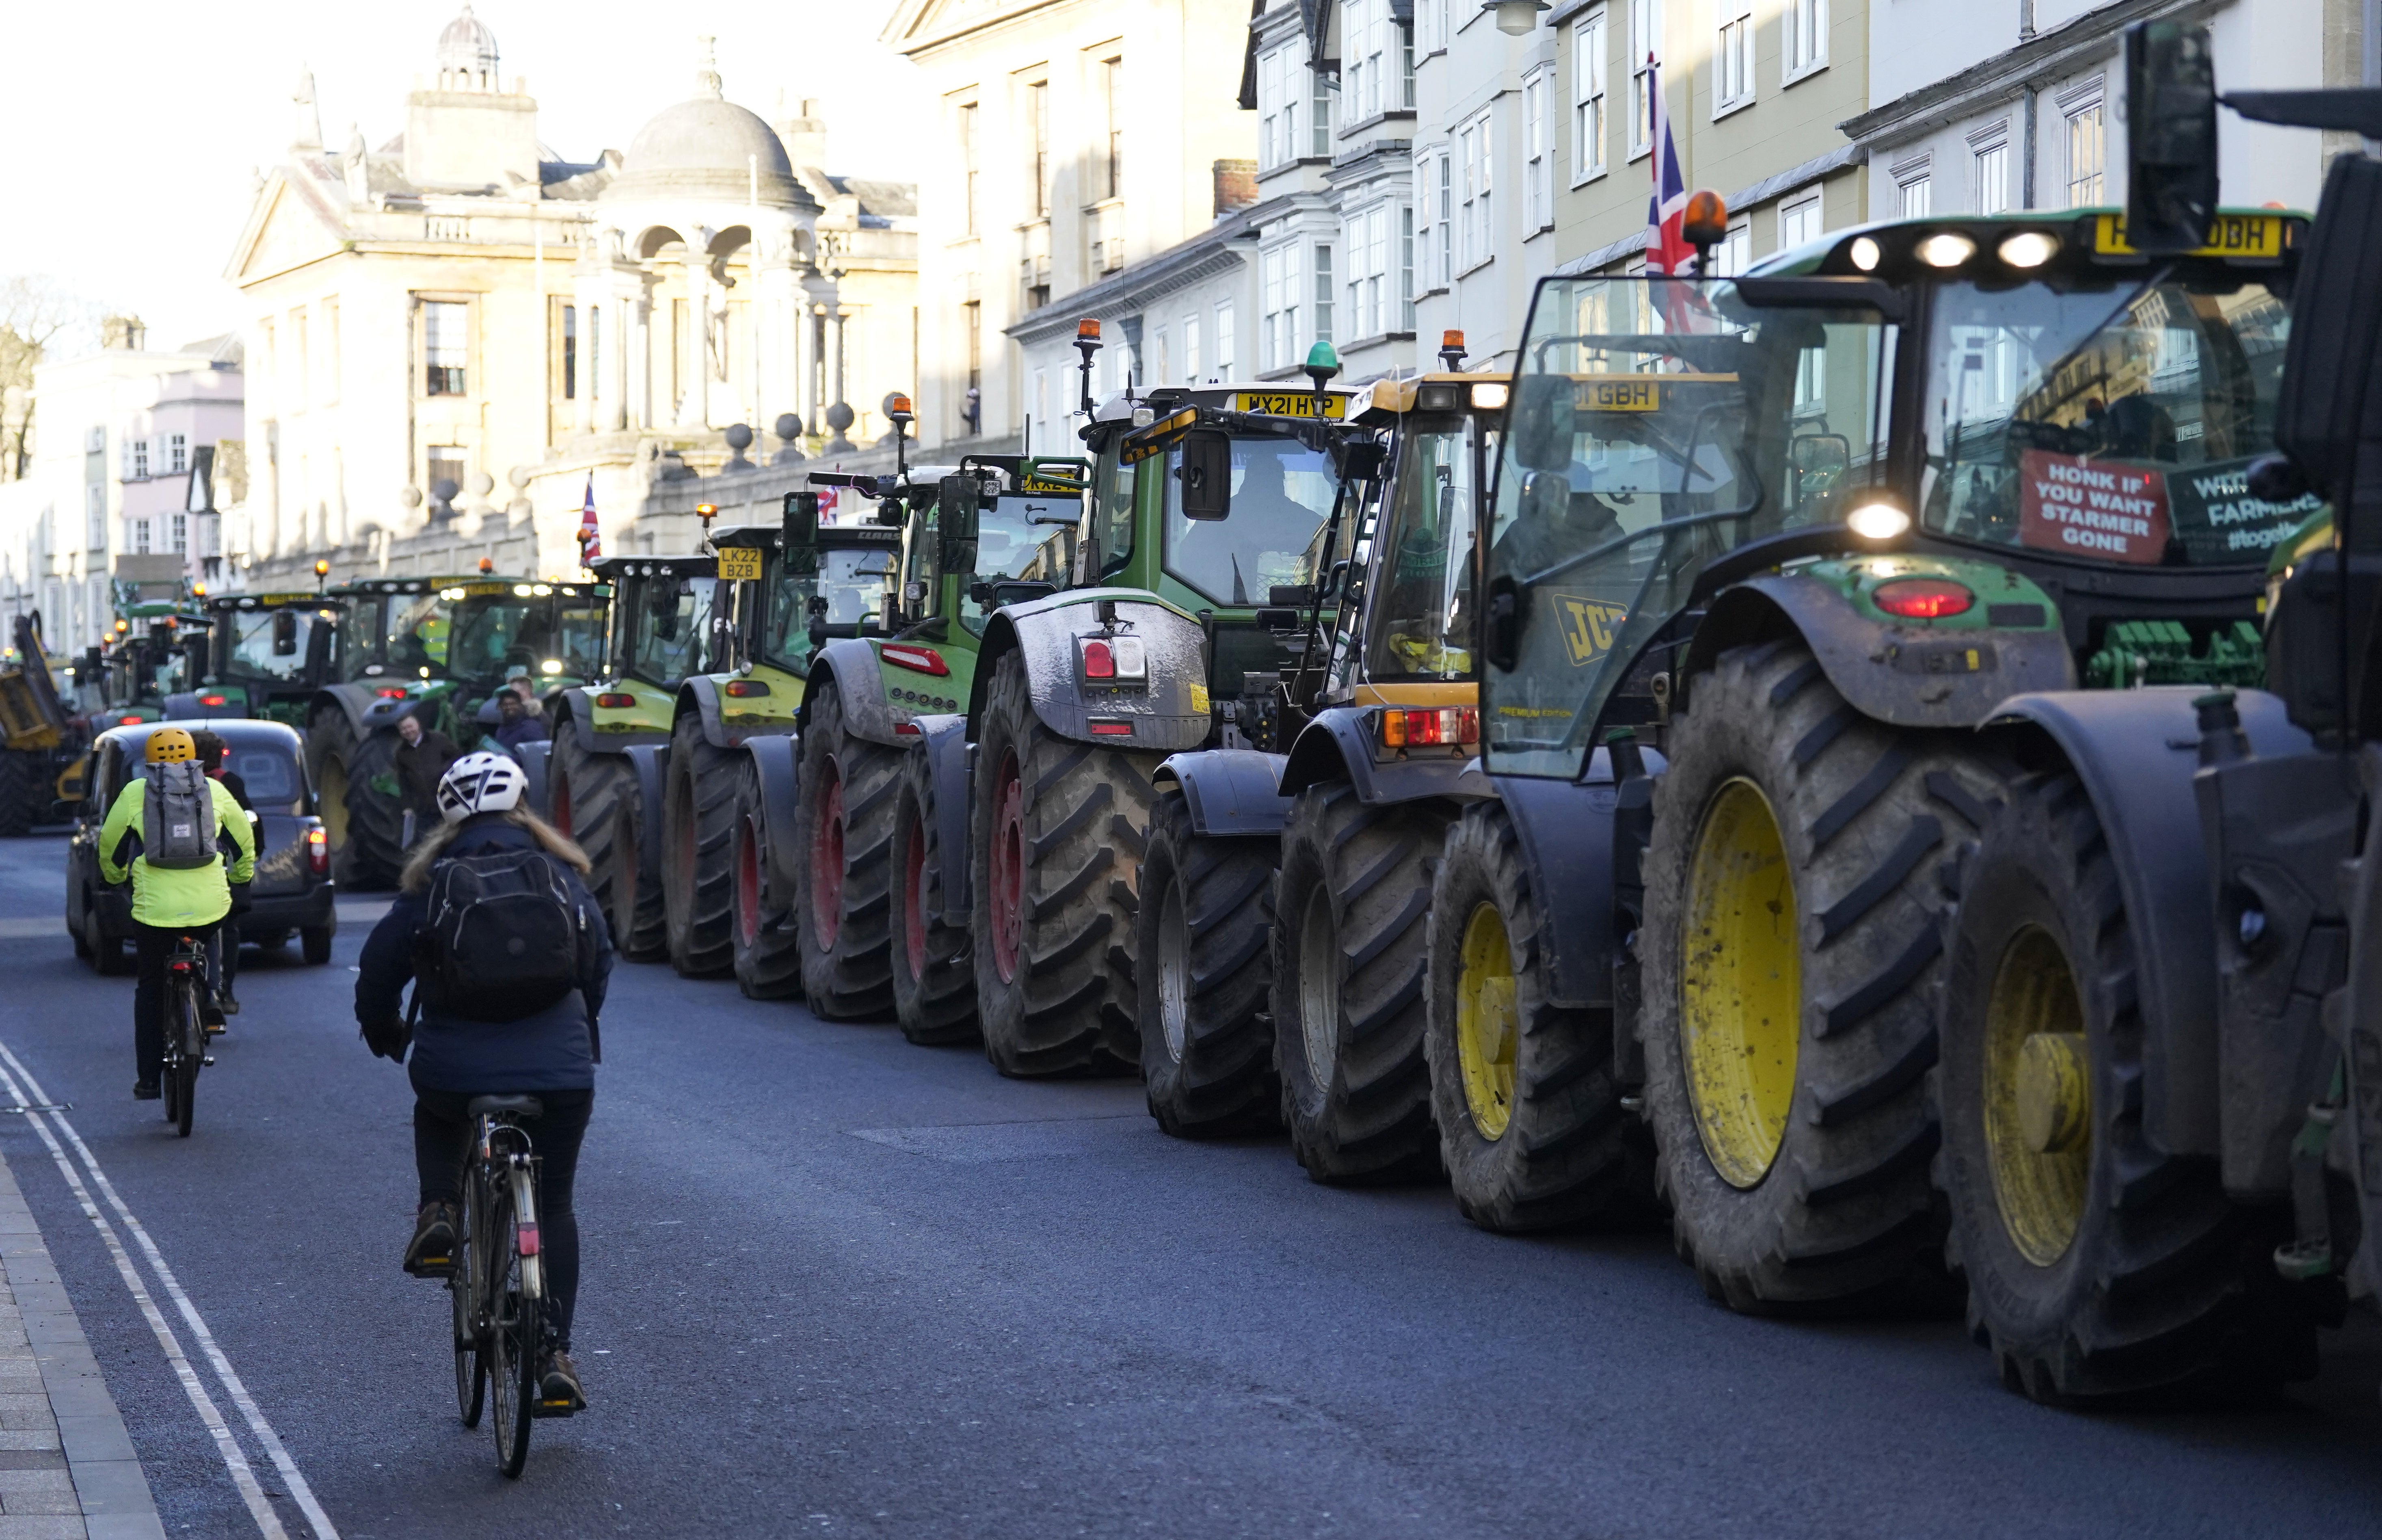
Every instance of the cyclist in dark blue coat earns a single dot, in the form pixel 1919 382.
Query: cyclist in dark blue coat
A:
pixel 549 1053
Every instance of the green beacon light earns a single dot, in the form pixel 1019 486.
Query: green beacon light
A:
pixel 1322 363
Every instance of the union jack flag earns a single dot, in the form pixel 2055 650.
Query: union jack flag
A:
pixel 1667 243
pixel 591 539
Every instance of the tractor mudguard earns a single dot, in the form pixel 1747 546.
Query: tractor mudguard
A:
pixel 2136 751
pixel 1566 829
pixel 533 758
pixel 1229 791
pixel 1339 741
pixel 1170 713
pixel 778 760
pixel 652 764
pixel 1908 676
pixel 943 739
pixel 361 704
pixel 701 696
pixel 572 703
pixel 860 682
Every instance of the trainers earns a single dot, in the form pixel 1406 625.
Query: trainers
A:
pixel 558 1392
pixel 431 1254
pixel 144 1091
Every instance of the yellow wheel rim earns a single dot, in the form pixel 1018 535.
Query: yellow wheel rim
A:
pixel 1741 984
pixel 2038 1096
pixel 332 790
pixel 1487 1029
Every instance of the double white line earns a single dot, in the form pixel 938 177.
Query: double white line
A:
pixel 243 1474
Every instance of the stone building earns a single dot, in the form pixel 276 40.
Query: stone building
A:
pixel 455 335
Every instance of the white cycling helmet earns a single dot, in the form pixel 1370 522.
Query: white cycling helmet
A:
pixel 480 783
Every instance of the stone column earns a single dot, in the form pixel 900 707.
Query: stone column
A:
pixel 693 409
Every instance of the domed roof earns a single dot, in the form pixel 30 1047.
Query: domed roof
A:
pixel 707 148
pixel 467 44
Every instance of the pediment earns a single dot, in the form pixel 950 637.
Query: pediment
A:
pixel 284 230
pixel 916 26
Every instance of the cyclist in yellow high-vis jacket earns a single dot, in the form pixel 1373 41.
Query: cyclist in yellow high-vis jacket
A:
pixel 168 903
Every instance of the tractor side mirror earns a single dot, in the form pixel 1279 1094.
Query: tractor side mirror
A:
pixel 1508 607
pixel 798 530
pixel 1546 416
pixel 957 499
pixel 1205 469
pixel 2170 136
pixel 320 638
pixel 284 633
pixel 1828 455
pixel 2321 406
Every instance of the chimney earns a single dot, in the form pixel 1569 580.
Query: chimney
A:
pixel 1237 186
pixel 806 137
pixel 123 332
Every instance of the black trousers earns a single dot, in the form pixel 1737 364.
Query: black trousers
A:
pixel 153 945
pixel 442 1139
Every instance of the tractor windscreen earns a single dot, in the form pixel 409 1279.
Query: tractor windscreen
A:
pixel 1423 622
pixel 579 637
pixel 270 646
pixel 1657 423
pixel 852 583
pixel 1025 539
pixel 495 632
pixel 669 627
pixel 1273 536
pixel 2111 422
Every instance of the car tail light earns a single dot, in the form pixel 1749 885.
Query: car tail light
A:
pixel 1111 728
pixel 1118 659
pixel 127 721
pixel 748 686
pixel 214 700
pixel 616 700
pixel 1448 724
pixel 923 660
pixel 1923 598
pixel 318 851
pixel 391 692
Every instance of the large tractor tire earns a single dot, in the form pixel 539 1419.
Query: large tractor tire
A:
pixel 767 957
pixel 934 980
pixel 25 795
pixel 1792 950
pixel 364 824
pixel 699 852
pixel 843 903
pixel 1531 1127
pixel 2096 1265
pixel 1206 929
pixel 1055 855
pixel 1349 963
pixel 592 798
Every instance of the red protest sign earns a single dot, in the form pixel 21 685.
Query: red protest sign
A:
pixel 2092 508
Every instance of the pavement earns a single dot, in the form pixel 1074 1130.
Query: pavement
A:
pixel 838 1285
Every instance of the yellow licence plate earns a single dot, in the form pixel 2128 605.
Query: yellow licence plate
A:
pixel 739 564
pixel 1290 403
pixel 2254 235
pixel 1620 396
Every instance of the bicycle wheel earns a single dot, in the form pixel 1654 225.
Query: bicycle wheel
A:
pixel 470 1370
pixel 513 1341
pixel 190 1035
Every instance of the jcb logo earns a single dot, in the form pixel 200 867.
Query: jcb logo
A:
pixel 1588 627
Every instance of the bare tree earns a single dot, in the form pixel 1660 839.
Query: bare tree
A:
pixel 35 314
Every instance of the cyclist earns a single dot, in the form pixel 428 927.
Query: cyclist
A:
pixel 169 902
pixel 548 1054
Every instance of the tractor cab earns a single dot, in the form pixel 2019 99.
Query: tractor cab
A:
pixel 269 652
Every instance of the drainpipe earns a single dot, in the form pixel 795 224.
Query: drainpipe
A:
pixel 2026 106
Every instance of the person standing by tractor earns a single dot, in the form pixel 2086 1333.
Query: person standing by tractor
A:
pixel 422 757
pixel 182 884
pixel 517 723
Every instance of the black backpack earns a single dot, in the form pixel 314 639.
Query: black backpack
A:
pixel 502 936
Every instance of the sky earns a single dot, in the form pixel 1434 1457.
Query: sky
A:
pixel 136 127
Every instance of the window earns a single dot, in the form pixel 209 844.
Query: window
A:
pixel 596 352
pixel 180 525
pixel 1645 52
pixel 1733 56
pixel 1161 364
pixel 446 464
pixel 1370 296
pixel 1379 64
pixel 1538 152
pixel 1993 173
pixel 446 345
pixel 1112 143
pixel 2087 156
pixel 1473 213
pixel 1277 110
pixel 177 454
pixel 1037 119
pixel 301 358
pixel 1191 347
pixel 571 352
pixel 1225 336
pixel 1806 37
pixel 1322 116
pixel 1443 268
pixel 1431 25
pixel 1588 96
pixel 1733 255
pixel 1405 269
pixel 1799 223
pixel 330 350
pixel 140 536
pixel 1278 297
pixel 1322 292
pixel 967 167
pixel 1919 197
pixel 972 322
pixel 136 460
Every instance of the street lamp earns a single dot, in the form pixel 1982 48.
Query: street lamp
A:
pixel 1517 17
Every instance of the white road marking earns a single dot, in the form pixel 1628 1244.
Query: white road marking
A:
pixel 299 1492
pixel 242 1475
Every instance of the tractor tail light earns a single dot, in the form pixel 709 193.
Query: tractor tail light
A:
pixel 923 660
pixel 1446 725
pixel 391 692
pixel 1116 659
pixel 616 700
pixel 318 851
pixel 748 686
pixel 1109 727
pixel 1924 598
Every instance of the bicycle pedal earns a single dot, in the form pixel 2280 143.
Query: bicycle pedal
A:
pixel 206 1060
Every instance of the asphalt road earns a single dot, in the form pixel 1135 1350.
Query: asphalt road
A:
pixel 837 1285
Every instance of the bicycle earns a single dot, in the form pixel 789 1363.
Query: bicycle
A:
pixel 497 1279
pixel 187 977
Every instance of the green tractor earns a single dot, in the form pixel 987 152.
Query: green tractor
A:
pixel 439 649
pixel 269 653
pixel 602 780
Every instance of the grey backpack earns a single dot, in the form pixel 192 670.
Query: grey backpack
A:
pixel 177 816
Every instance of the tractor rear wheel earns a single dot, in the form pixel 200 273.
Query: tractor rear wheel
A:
pixel 766 962
pixel 1206 928
pixel 25 796
pixel 364 823
pixel 2096 1265
pixel 1055 854
pixel 591 794
pixel 844 871
pixel 1347 991
pixel 1531 1122
pixel 699 851
pixel 1792 950
pixel 934 982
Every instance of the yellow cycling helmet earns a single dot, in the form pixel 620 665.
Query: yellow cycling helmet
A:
pixel 171 746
